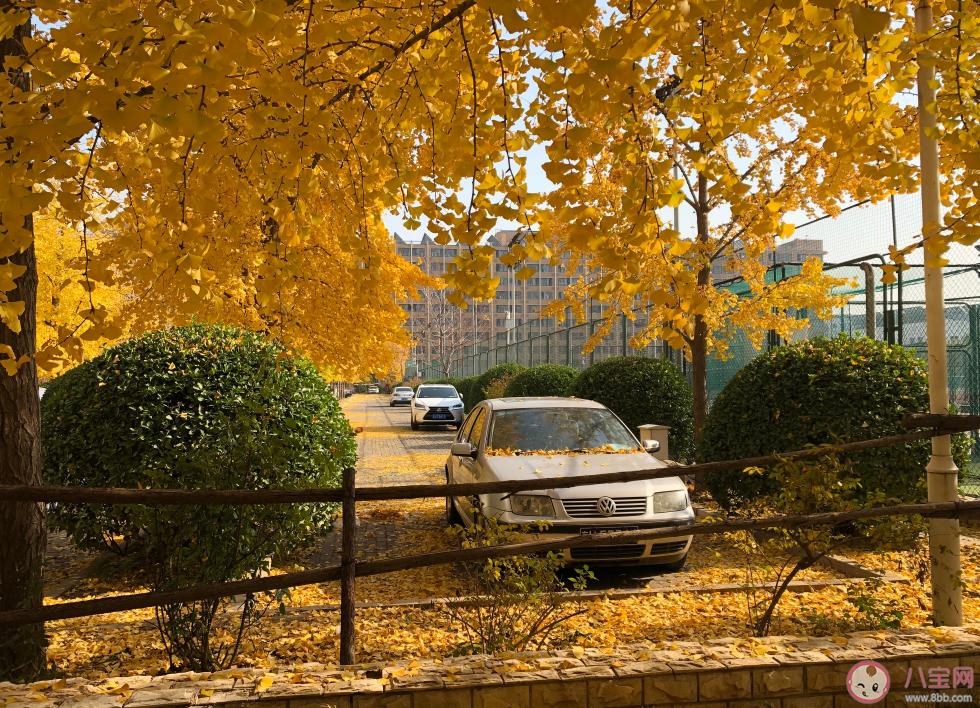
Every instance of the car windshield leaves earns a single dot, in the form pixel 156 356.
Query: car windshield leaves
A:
pixel 575 429
pixel 437 392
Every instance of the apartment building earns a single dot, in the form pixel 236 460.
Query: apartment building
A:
pixel 439 332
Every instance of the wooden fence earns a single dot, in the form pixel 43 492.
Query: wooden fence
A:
pixel 348 495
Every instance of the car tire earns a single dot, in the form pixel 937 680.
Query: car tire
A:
pixel 675 566
pixel 415 426
pixel 453 517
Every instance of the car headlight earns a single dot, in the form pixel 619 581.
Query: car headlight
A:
pixel 457 405
pixel 527 505
pixel 669 501
pixel 419 405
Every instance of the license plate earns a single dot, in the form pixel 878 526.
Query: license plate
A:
pixel 595 530
pixel 439 416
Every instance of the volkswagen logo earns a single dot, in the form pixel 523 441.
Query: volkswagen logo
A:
pixel 606 506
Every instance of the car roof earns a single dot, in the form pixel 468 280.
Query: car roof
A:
pixel 436 386
pixel 508 404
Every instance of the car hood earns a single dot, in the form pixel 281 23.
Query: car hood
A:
pixel 540 466
pixel 430 402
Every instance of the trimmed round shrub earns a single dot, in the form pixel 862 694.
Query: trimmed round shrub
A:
pixel 642 391
pixel 542 380
pixel 816 392
pixel 491 374
pixel 465 388
pixel 198 407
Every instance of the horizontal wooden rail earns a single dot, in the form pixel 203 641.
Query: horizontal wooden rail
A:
pixel 210 497
pixel 137 601
pixel 941 421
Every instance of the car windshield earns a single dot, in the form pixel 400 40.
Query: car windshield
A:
pixel 436 392
pixel 577 429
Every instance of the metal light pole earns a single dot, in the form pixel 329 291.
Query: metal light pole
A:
pixel 942 474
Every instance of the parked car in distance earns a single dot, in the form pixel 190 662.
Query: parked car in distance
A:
pixel 506 439
pixel 402 395
pixel 348 393
pixel 373 389
pixel 437 404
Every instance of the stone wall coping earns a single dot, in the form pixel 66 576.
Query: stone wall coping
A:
pixel 664 672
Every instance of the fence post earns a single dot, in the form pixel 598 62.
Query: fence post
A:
pixel 347 570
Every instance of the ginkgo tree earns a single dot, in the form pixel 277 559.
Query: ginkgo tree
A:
pixel 749 128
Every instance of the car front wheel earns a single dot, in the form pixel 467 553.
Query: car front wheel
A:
pixel 453 517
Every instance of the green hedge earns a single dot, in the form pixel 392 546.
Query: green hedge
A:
pixel 466 389
pixel 198 407
pixel 484 379
pixel 542 380
pixel 815 392
pixel 640 391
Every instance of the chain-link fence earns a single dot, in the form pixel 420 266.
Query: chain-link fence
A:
pixel 859 235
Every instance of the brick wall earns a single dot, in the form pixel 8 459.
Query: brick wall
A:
pixel 775 672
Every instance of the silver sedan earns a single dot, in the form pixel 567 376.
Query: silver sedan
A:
pixel 535 438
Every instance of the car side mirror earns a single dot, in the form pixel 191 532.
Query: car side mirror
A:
pixel 459 396
pixel 651 446
pixel 463 449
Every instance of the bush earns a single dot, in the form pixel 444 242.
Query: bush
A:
pixel 641 391
pixel 199 407
pixel 466 387
pixel 498 387
pixel 491 374
pixel 542 380
pixel 817 392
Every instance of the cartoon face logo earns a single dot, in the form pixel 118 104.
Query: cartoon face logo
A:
pixel 868 682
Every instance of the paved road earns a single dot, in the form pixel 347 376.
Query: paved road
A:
pixel 388 437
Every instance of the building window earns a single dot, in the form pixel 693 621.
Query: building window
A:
pixel 406 252
pixel 533 281
pixel 418 307
pixel 547 322
pixel 501 336
pixel 546 281
pixel 483 308
pixel 546 269
pixel 597 308
pixel 437 267
pixel 449 252
pixel 547 296
pixel 407 308
pixel 500 268
pixel 501 309
pixel 501 322
pixel 532 323
pixel 435 253
pixel 580 269
pixel 532 295
pixel 563 282
pixel 517 309
pixel 418 253
pixel 501 252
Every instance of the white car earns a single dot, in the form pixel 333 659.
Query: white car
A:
pixel 437 404
pixel 402 395
pixel 373 389
pixel 536 438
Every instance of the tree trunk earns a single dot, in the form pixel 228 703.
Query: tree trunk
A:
pixel 699 342
pixel 22 527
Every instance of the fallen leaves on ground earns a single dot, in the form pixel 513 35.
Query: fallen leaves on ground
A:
pixel 125 643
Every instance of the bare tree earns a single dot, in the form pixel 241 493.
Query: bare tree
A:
pixel 448 329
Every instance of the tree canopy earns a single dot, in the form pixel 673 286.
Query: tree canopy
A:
pixel 243 156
